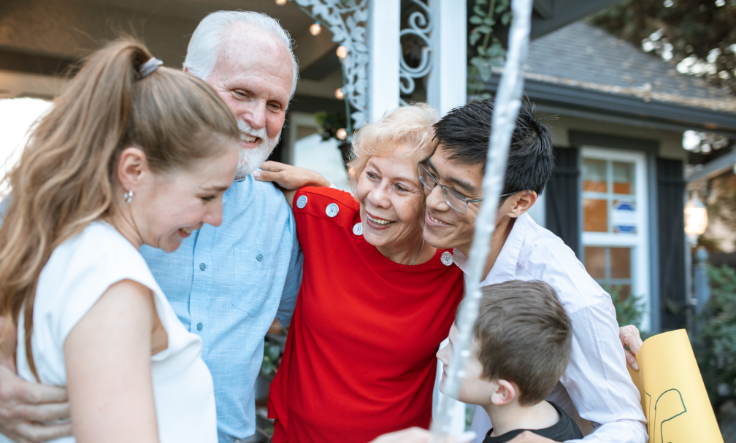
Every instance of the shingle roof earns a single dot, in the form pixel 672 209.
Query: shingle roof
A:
pixel 584 56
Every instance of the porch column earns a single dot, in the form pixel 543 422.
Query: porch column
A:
pixel 384 52
pixel 448 77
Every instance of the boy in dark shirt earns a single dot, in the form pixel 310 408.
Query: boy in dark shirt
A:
pixel 522 344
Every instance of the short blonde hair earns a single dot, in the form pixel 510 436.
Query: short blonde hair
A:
pixel 408 125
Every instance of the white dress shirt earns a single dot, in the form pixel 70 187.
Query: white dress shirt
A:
pixel 596 389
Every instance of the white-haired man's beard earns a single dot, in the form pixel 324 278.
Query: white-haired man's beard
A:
pixel 251 159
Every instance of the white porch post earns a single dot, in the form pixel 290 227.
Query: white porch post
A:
pixel 448 77
pixel 384 51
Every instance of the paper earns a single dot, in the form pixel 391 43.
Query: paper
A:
pixel 673 395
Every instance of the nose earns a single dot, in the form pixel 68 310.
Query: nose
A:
pixel 378 196
pixel 213 216
pixel 255 114
pixel 435 199
pixel 441 354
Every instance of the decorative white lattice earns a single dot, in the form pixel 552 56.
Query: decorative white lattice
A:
pixel 347 21
pixel 420 25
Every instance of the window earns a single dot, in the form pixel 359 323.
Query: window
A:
pixel 615 242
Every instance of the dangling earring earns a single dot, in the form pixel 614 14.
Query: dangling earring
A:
pixel 128 196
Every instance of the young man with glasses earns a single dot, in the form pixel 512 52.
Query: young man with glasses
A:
pixel 596 389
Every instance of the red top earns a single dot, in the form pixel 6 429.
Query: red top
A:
pixel 360 355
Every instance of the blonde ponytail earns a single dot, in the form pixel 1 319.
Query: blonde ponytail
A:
pixel 66 174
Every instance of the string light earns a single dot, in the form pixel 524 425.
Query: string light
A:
pixel 339 94
pixel 315 29
pixel 281 2
pixel 342 134
pixel 342 51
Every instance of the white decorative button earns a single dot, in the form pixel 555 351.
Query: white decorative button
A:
pixel 358 229
pixel 332 210
pixel 446 258
pixel 301 202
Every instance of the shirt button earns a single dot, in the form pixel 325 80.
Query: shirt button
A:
pixel 202 266
pixel 259 257
pixel 358 229
pixel 301 202
pixel 446 258
pixel 199 326
pixel 332 210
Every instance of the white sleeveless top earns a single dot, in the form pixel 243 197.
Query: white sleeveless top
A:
pixel 78 272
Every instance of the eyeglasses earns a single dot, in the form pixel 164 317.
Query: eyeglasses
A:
pixel 454 199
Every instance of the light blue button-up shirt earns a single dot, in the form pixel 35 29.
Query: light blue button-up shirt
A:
pixel 227 284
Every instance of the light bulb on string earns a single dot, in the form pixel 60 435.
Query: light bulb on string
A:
pixel 342 52
pixel 315 29
pixel 342 134
pixel 281 2
pixel 339 94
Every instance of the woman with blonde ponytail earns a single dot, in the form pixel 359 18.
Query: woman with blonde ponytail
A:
pixel 131 154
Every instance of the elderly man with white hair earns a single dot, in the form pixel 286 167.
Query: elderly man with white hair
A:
pixel 226 283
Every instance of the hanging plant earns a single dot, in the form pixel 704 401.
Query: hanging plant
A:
pixel 487 48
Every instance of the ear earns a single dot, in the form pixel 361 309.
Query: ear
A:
pixel 132 165
pixel 519 203
pixel 504 394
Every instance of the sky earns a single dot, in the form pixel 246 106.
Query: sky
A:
pixel 16 117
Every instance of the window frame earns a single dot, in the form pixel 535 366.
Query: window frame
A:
pixel 639 242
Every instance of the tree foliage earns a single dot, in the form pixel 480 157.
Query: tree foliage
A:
pixel 715 346
pixel 699 36
pixel 485 49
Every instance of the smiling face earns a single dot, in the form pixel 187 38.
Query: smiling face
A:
pixel 444 227
pixel 167 207
pixel 474 389
pixel 391 200
pixel 254 75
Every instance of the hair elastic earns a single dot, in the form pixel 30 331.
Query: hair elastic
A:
pixel 148 67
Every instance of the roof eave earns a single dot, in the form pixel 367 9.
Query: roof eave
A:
pixel 599 102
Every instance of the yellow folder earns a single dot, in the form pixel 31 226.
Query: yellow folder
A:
pixel 673 395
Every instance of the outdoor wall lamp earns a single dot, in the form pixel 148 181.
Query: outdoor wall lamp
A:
pixel 696 218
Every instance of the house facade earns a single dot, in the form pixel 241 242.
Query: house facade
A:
pixel 618 191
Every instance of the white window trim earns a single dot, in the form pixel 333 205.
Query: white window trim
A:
pixel 639 241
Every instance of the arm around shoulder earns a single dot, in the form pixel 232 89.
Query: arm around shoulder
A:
pixel 108 364
pixel 289 178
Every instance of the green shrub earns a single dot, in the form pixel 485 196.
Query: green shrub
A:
pixel 629 310
pixel 715 345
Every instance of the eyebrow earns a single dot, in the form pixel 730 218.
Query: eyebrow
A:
pixel 215 188
pixel 469 188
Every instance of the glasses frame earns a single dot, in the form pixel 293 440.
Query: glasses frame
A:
pixel 445 189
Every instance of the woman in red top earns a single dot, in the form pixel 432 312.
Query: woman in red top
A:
pixel 375 301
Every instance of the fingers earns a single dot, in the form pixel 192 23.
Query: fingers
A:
pixel 265 176
pixel 631 360
pixel 630 336
pixel 43 413
pixel 37 394
pixel 272 166
pixel 36 433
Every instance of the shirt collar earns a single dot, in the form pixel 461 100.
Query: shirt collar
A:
pixel 505 267
pixel 227 193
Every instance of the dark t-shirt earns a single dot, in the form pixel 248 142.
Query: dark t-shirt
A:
pixel 563 430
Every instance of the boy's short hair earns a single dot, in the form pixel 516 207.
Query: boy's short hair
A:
pixel 465 133
pixel 523 335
